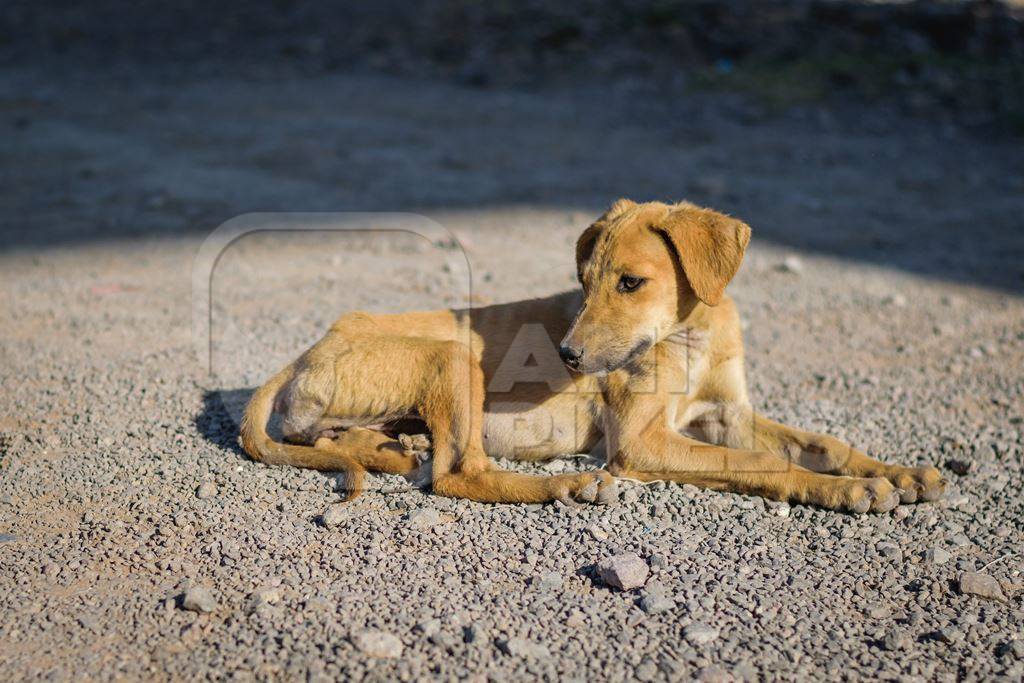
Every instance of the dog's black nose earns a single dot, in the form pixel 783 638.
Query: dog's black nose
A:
pixel 570 356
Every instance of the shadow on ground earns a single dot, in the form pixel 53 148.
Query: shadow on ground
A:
pixel 220 416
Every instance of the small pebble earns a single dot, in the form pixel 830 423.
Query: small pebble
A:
pixel 894 641
pixel 655 600
pixel 334 515
pixel 949 635
pixel 379 644
pixel 198 599
pixel 520 647
pixel 879 612
pixel 424 518
pixel 699 633
pixel 959 540
pixel 889 550
pixel 548 581
pixel 937 555
pixel 791 264
pixel 206 490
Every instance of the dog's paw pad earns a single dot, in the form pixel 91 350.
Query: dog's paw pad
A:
pixel 417 445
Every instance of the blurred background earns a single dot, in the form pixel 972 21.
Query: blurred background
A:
pixel 901 121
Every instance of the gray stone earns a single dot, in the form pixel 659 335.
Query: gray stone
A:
pixel 625 571
pixel 889 550
pixel 520 647
pixel 879 612
pixel 206 490
pixel 424 518
pixel 950 635
pixel 937 555
pixel 894 641
pixel 548 581
pixel 335 515
pixel 982 585
pixel 655 600
pixel 791 264
pixel 198 599
pixel 379 644
pixel 428 627
pixel 700 633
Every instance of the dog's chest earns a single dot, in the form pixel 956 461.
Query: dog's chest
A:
pixel 682 362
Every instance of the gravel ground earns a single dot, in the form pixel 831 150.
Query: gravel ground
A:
pixel 881 299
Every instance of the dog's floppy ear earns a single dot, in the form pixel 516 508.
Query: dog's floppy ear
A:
pixel 585 243
pixel 709 246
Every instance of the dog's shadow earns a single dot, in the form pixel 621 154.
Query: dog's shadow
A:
pixel 221 415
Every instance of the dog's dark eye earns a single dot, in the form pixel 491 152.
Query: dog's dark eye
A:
pixel 629 283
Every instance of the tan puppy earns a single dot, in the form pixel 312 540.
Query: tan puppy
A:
pixel 657 368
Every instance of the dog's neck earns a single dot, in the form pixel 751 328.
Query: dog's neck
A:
pixel 697 316
pixel 690 338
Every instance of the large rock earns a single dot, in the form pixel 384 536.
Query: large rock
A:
pixel 982 585
pixel 625 572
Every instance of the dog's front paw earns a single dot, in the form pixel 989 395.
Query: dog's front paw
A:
pixel 918 483
pixel 868 495
pixel 586 487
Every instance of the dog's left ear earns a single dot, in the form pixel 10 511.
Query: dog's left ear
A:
pixel 709 246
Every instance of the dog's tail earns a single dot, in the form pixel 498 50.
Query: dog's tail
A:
pixel 258 444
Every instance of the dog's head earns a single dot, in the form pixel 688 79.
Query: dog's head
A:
pixel 644 268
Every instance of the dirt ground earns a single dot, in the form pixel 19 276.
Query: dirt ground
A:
pixel 902 331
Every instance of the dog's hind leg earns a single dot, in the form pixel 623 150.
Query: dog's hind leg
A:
pixel 453 411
